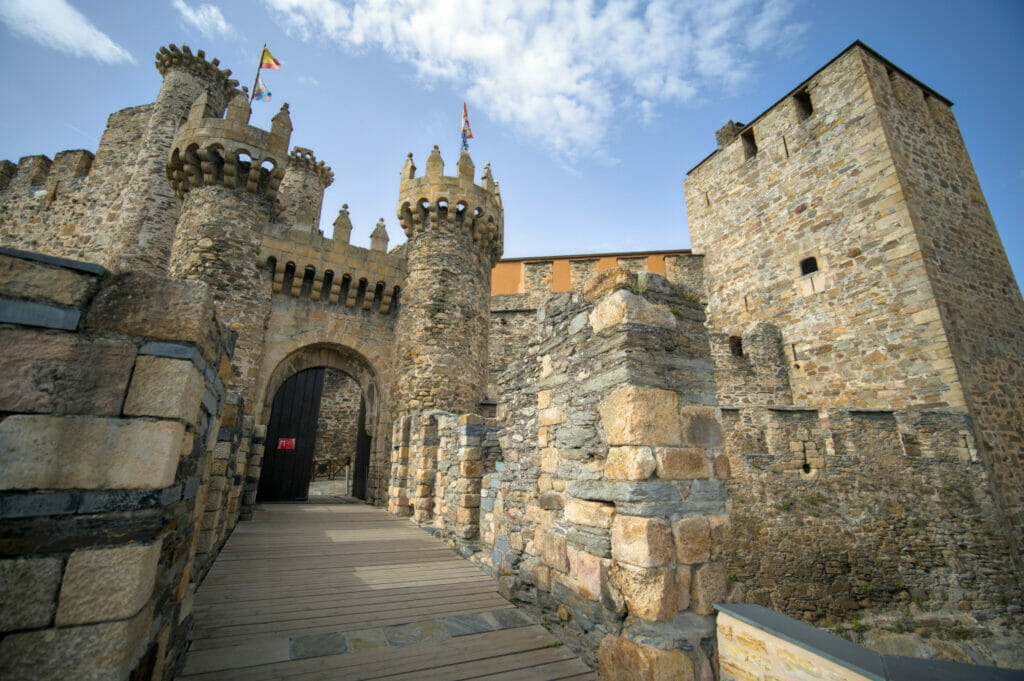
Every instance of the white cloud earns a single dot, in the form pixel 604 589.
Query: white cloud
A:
pixel 564 71
pixel 309 80
pixel 56 24
pixel 207 19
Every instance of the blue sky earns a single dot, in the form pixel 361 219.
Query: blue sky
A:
pixel 589 112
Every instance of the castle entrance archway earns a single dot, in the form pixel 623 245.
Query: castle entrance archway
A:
pixel 321 403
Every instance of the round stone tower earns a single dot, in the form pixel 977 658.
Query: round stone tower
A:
pixel 149 211
pixel 227 174
pixel 302 190
pixel 456 233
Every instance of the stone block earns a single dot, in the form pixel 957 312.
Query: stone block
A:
pixel 467 516
pixel 28 592
pixel 589 513
pixel 65 452
pixel 607 281
pixel 709 586
pixel 471 469
pixel 682 463
pixel 629 463
pixel 723 470
pixel 700 427
pixel 543 399
pixel 633 415
pixel 552 501
pixel 650 593
pixel 619 659
pixel 587 570
pixel 623 307
pixel 165 388
pixel 107 584
pixel 23 278
pixel 549 460
pixel 553 553
pixel 154 306
pixel 91 652
pixel 693 539
pixel 63 373
pixel 550 416
pixel 645 542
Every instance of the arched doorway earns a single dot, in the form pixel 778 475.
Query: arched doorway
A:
pixel 321 401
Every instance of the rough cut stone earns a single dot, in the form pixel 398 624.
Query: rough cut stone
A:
pixel 28 592
pixel 701 427
pixel 650 593
pixel 62 373
pixel 110 453
pixel 623 307
pixel 629 463
pixel 107 584
pixel 91 652
pixel 165 388
pixel 154 306
pixel 709 586
pixel 552 552
pixel 620 659
pixel 633 415
pixel 693 539
pixel 609 280
pixel 645 542
pixel 590 513
pixel 682 463
pixel 21 278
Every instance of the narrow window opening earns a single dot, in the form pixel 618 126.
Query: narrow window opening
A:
pixel 785 146
pixel 804 107
pixel 749 144
pixel 808 265
pixel 707 198
pixel 746 302
pixel 736 346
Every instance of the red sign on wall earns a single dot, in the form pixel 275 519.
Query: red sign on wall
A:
pixel 286 443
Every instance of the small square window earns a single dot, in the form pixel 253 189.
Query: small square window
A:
pixel 808 265
pixel 749 144
pixel 736 346
pixel 804 107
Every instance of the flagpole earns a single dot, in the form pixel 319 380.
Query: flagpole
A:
pixel 255 80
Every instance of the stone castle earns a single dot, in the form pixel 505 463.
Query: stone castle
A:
pixel 818 409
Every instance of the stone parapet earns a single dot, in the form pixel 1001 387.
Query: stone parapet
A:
pixel 101 469
pixel 437 202
pixel 229 152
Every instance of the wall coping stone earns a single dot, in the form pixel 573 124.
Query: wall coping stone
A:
pixel 28 313
pixel 66 263
pixel 858 658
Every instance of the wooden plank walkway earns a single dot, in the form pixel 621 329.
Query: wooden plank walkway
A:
pixel 345 591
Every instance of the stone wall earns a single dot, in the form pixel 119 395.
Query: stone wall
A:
pixel 339 418
pixel 611 492
pixel 113 387
pixel 838 514
pixel 979 301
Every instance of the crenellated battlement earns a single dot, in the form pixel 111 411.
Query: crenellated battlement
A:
pixel 171 57
pixel 228 151
pixel 454 204
pixel 332 270
pixel 304 159
pixel 37 175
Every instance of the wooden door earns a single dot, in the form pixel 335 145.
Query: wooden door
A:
pixel 362 460
pixel 291 437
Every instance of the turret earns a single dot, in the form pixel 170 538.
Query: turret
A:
pixel 456 231
pixel 227 174
pixel 148 214
pixel 379 237
pixel 342 226
pixel 302 190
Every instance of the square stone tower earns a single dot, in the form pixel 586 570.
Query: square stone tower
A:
pixel 848 215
